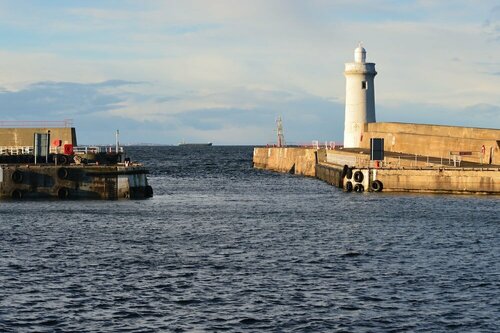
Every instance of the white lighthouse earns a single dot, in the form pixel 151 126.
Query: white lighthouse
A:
pixel 359 97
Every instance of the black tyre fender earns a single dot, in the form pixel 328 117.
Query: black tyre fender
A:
pixel 344 171
pixel 359 188
pixel 63 159
pixel 358 176
pixel 148 191
pixel 377 186
pixel 17 176
pixel 63 193
pixel 348 186
pixel 17 194
pixel 349 173
pixel 63 173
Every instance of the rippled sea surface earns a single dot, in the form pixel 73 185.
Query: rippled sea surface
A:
pixel 223 247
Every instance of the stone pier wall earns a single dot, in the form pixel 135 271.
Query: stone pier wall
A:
pixel 437 140
pixel 295 160
pixel 330 174
pixel 477 181
pixel 313 163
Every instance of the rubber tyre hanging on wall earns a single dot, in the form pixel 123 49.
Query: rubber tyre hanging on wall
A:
pixel 348 186
pixel 17 194
pixel 62 159
pixel 359 188
pixel 63 193
pixel 349 173
pixel 17 176
pixel 63 173
pixel 148 192
pixel 377 186
pixel 358 176
pixel 344 171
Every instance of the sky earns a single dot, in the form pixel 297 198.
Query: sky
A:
pixel 222 71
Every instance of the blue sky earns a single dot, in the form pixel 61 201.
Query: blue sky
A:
pixel 222 71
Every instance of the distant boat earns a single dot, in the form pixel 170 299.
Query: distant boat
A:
pixel 185 144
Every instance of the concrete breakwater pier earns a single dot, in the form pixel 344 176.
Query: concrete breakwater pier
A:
pixel 45 163
pixel 352 170
pixel 392 156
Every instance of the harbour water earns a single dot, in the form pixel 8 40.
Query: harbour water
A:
pixel 224 247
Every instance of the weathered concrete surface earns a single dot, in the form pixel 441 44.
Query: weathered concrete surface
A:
pixel 455 180
pixel 300 161
pixel 477 181
pixel 436 140
pixel 21 137
pixel 331 174
pixel 313 163
pixel 73 182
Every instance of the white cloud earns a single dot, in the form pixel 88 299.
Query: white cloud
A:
pixel 249 55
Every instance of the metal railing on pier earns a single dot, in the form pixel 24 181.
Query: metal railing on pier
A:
pixel 17 150
pixel 97 149
pixel 315 144
pixel 80 150
pixel 398 160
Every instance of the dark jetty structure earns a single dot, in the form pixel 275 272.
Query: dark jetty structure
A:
pixel 45 163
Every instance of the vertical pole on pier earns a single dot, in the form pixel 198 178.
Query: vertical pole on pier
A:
pixel 281 136
pixel 35 144
pixel 117 142
pixel 47 151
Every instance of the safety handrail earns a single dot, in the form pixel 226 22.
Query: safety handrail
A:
pixel 29 150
